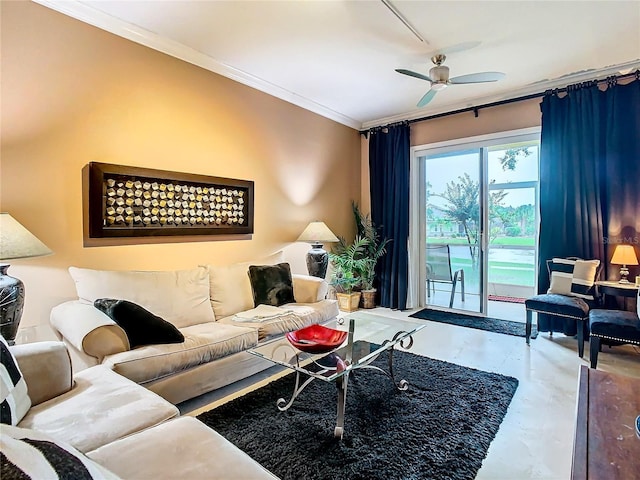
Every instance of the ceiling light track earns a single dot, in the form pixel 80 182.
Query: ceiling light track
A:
pixel 406 23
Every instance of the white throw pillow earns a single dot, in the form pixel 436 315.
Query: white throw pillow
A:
pixel 180 297
pixel 230 287
pixel 574 277
pixel 561 276
pixel 13 389
pixel 584 279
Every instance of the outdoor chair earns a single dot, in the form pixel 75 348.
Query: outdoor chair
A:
pixel 615 327
pixel 566 305
pixel 439 271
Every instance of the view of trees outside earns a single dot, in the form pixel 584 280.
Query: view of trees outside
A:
pixel 453 211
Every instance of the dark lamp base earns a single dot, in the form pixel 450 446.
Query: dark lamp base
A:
pixel 317 261
pixel 11 304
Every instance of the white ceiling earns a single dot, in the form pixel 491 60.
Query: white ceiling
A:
pixel 337 58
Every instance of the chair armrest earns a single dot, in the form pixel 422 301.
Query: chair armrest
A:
pixel 88 329
pixel 46 368
pixel 307 289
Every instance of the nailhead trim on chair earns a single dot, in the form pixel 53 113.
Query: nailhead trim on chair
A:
pixel 558 314
pixel 607 337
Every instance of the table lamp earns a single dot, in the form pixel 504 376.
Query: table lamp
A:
pixel 316 234
pixel 624 255
pixel 15 242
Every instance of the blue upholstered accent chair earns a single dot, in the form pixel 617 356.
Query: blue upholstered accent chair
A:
pixel 562 312
pixel 613 326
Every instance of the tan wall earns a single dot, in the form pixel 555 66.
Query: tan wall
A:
pixel 72 93
pixel 503 118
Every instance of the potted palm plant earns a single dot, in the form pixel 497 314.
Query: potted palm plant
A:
pixel 375 248
pixel 348 262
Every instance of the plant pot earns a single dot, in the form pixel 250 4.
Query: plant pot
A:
pixel 369 298
pixel 348 302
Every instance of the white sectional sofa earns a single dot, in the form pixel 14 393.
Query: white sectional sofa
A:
pixel 98 424
pixel 203 303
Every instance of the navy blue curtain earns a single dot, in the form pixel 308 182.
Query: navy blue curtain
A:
pixel 389 177
pixel 589 174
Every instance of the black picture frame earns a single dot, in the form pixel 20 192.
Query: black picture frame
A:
pixel 124 201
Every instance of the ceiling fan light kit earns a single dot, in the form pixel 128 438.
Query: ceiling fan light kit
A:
pixel 439 78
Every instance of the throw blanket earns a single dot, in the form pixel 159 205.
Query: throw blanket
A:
pixel 269 320
pixel 261 313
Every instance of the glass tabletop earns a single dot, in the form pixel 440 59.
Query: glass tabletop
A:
pixel 368 336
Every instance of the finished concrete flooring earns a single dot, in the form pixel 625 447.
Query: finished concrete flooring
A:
pixel 535 440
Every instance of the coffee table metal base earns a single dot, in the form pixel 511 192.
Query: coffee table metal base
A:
pixel 343 381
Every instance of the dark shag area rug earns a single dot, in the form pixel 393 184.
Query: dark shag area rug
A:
pixel 495 325
pixel 440 428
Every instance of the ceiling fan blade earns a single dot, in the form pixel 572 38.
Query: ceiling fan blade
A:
pixel 413 74
pixel 427 98
pixel 482 77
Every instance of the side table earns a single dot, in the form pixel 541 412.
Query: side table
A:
pixel 616 289
pixel 605 443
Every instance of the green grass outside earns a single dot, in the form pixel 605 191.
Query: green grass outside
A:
pixel 510 273
pixel 508 241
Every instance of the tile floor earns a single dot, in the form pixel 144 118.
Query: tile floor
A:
pixel 503 310
pixel 535 440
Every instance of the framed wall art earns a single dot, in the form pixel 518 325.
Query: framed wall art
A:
pixel 124 201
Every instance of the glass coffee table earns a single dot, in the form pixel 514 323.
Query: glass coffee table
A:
pixel 369 336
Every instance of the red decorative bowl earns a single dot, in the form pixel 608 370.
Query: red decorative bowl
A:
pixel 316 339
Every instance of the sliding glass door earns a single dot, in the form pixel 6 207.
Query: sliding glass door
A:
pixel 474 221
pixel 453 229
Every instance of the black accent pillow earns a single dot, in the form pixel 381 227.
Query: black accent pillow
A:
pixel 271 284
pixel 141 326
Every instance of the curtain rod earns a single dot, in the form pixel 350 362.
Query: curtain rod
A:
pixel 613 78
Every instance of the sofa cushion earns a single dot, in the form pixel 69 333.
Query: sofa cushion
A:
pixel 271 284
pixel 230 288
pixel 31 454
pixel 102 407
pixel 181 448
pixel 46 367
pixel 295 316
pixel 202 343
pixel 14 399
pixel 308 289
pixel 141 326
pixel 181 297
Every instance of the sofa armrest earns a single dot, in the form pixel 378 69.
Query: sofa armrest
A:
pixel 46 368
pixel 88 329
pixel 307 289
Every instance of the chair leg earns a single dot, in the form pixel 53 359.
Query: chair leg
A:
pixel 428 288
pixel 527 330
pixel 594 348
pixel 462 283
pixel 580 338
pixel 453 289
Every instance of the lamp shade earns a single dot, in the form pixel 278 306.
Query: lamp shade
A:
pixel 317 232
pixel 624 255
pixel 18 242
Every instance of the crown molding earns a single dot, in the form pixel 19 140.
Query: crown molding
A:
pixel 92 16
pixel 531 89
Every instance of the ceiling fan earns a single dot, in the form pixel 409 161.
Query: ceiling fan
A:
pixel 439 78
